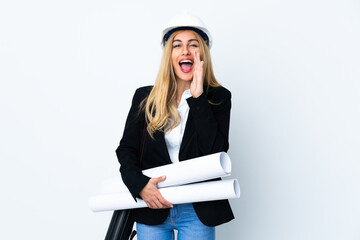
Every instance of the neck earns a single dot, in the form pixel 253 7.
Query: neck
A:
pixel 182 86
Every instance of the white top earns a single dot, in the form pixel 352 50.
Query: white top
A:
pixel 174 137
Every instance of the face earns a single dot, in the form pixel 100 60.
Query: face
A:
pixel 184 46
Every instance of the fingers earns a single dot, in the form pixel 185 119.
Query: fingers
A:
pixel 150 204
pixel 158 201
pixel 196 86
pixel 151 195
pixel 164 202
pixel 198 69
pixel 157 204
pixel 197 59
pixel 198 64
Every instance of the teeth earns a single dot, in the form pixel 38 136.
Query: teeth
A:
pixel 186 61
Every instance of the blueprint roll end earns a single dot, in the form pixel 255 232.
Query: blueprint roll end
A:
pixel 236 188
pixel 92 204
pixel 225 162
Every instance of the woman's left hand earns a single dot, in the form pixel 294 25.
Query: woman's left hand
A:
pixel 196 87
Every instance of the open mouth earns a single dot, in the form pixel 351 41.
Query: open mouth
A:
pixel 186 65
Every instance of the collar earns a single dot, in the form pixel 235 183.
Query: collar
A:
pixel 186 94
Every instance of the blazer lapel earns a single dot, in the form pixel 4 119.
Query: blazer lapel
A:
pixel 189 131
pixel 162 143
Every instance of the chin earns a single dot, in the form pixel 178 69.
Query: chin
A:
pixel 185 77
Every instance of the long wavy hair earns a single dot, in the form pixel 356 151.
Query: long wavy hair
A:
pixel 160 106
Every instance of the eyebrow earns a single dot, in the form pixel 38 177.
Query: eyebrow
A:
pixel 178 40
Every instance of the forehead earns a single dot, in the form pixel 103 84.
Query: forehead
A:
pixel 185 35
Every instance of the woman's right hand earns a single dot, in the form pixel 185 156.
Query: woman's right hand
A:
pixel 151 195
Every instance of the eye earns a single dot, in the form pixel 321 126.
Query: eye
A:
pixel 193 45
pixel 176 46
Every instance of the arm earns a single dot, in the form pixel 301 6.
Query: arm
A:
pixel 212 121
pixel 128 150
pixel 128 156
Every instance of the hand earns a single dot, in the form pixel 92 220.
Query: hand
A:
pixel 196 87
pixel 151 195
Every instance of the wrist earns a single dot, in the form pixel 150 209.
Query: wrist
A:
pixel 198 94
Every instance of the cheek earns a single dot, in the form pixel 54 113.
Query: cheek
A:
pixel 173 61
pixel 175 66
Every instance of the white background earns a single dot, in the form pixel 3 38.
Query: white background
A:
pixel 68 70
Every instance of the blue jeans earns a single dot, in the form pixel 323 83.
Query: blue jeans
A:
pixel 183 218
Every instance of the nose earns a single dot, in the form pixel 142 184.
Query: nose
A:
pixel 186 51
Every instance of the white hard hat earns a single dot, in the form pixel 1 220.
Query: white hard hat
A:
pixel 186 21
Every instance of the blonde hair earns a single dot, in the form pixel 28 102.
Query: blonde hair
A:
pixel 160 106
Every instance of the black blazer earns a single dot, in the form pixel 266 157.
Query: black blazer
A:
pixel 206 132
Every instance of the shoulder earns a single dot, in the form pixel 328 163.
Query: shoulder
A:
pixel 143 91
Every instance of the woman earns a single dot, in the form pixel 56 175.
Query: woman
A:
pixel 186 114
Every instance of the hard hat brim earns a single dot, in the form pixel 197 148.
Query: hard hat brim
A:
pixel 197 30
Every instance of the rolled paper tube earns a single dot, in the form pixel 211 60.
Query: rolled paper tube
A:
pixel 197 192
pixel 184 172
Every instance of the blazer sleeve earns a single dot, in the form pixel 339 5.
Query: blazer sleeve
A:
pixel 212 121
pixel 129 147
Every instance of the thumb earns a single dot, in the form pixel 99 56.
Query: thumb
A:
pixel 159 179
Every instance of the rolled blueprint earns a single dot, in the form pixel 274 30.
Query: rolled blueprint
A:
pixel 197 192
pixel 189 171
